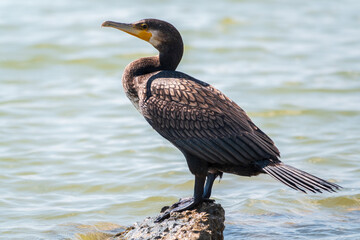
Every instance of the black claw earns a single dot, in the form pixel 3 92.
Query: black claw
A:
pixel 182 205
pixel 162 217
pixel 208 200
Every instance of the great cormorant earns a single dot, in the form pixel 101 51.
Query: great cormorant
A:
pixel 213 132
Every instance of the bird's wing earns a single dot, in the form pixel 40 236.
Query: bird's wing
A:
pixel 200 120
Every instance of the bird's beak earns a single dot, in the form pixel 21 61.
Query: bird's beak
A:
pixel 130 29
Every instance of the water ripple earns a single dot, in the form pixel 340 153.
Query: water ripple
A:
pixel 78 162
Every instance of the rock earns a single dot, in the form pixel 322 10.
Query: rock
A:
pixel 204 222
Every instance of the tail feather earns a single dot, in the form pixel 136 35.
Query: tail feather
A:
pixel 299 180
pixel 283 180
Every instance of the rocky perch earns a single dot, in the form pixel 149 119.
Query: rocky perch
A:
pixel 204 222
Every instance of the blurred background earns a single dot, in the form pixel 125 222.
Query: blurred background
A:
pixel 77 161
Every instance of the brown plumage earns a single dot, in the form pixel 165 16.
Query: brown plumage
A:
pixel 213 132
pixel 195 116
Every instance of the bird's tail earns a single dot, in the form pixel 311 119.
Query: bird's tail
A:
pixel 299 180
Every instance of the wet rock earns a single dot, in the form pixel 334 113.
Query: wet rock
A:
pixel 204 222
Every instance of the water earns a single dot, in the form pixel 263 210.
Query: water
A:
pixel 78 162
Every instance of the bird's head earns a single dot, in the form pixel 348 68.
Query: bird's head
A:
pixel 162 35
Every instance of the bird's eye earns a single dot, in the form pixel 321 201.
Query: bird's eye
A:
pixel 144 26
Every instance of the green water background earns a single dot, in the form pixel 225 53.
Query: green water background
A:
pixel 77 161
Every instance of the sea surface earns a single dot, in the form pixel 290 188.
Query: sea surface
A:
pixel 77 161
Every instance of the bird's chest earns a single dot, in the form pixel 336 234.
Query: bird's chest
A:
pixel 136 92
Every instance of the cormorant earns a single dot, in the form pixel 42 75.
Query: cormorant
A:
pixel 213 132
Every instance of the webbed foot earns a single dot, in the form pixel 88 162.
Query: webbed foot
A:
pixel 208 200
pixel 182 205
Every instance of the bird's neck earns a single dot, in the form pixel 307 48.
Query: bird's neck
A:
pixel 136 73
pixel 142 66
pixel 134 76
pixel 170 57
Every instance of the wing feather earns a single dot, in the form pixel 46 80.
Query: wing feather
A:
pixel 199 119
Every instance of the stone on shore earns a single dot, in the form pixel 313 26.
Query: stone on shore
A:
pixel 204 222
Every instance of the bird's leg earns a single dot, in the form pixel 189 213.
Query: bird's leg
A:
pixel 186 203
pixel 209 183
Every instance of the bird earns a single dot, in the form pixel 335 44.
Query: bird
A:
pixel 213 133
